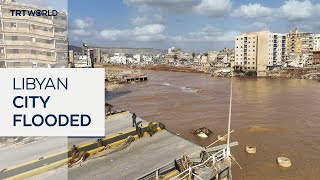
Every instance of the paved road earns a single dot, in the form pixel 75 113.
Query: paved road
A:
pixel 140 158
pixel 16 155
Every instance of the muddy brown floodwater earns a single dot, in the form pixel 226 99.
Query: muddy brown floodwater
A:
pixel 281 117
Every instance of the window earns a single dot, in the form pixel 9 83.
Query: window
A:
pixel 252 62
pixel 252 67
pixel 14 38
pixel 15 51
pixel 13 25
pixel 1 50
pixel 248 67
pixel 248 62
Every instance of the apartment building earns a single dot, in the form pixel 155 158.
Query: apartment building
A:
pixel 316 40
pixel 316 57
pixel 175 52
pixel 299 48
pixel 259 51
pixel 212 56
pixel 31 41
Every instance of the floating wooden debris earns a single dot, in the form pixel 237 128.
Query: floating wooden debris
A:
pixel 251 149
pixel 203 135
pixel 202 132
pixel 284 161
pixel 222 138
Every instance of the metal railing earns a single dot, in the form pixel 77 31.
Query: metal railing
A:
pixel 158 172
pixel 216 157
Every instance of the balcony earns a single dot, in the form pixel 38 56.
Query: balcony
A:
pixel 13 29
pixel 30 56
pixel 42 57
pixel 40 32
pixel 28 43
pixel 61 34
pixel 61 46
pixel 60 22
pixel 17 56
pixel 17 43
pixel 42 45
pixel 27 30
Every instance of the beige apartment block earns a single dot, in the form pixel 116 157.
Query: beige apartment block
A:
pixel 173 51
pixel 299 48
pixel 246 52
pixel 31 41
pixel 259 51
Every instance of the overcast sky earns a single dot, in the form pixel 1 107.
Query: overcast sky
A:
pixel 193 25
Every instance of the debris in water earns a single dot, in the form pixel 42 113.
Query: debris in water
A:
pixel 284 161
pixel 222 138
pixel 251 149
pixel 202 132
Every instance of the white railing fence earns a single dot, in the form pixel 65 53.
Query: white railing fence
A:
pixel 215 158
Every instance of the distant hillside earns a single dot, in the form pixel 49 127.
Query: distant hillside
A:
pixel 75 48
pixel 111 50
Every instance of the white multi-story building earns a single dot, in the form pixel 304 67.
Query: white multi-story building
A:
pixel 138 58
pixel 259 51
pixel 316 41
pixel 212 56
pixel 31 41
pixel 118 58
pixel 175 52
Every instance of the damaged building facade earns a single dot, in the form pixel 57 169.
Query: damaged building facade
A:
pixel 300 47
pixel 32 41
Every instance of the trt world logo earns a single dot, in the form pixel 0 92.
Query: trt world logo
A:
pixel 15 12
